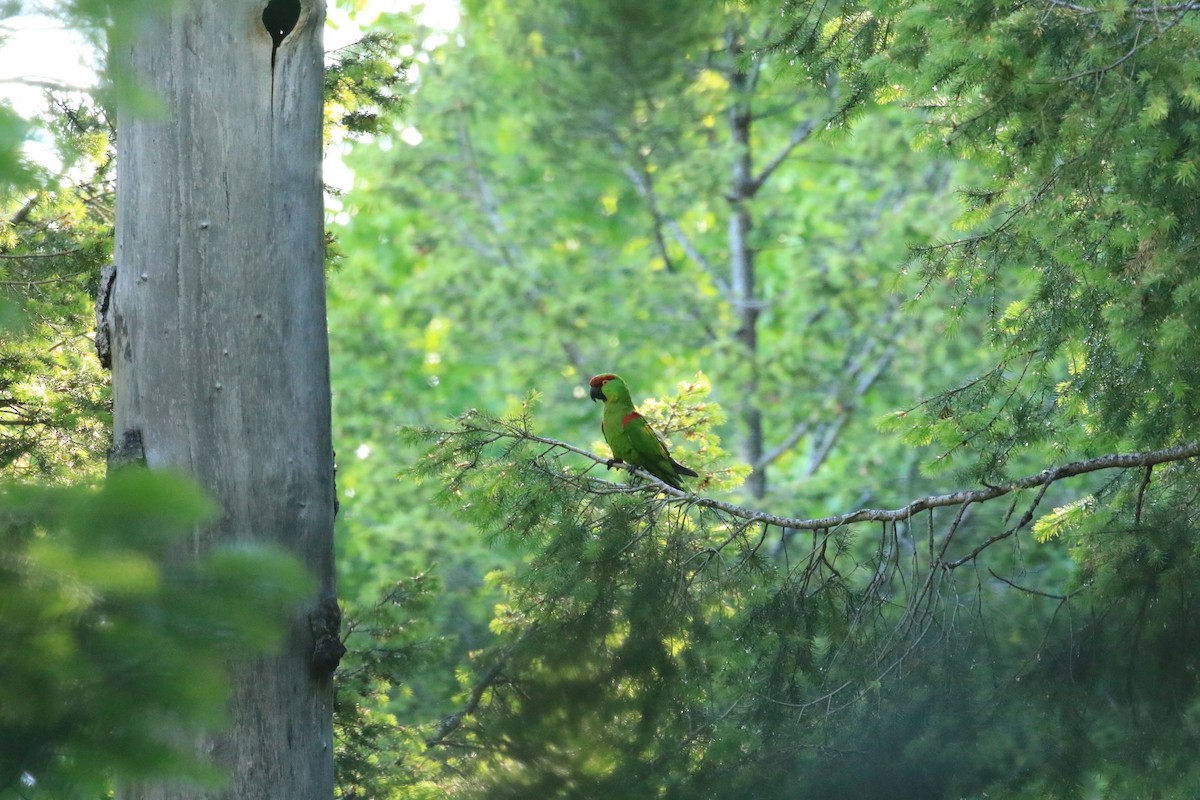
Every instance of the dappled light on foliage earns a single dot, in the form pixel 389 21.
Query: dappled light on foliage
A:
pixel 657 641
pixel 930 260
pixel 54 400
pixel 911 285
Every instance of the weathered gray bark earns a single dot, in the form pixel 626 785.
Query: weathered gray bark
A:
pixel 217 323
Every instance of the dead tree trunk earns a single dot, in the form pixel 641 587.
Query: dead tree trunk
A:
pixel 217 326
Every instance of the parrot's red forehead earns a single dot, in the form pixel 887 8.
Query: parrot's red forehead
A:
pixel 600 380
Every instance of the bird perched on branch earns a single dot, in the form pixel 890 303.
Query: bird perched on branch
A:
pixel 630 437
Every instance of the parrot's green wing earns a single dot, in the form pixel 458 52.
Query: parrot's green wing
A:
pixel 651 451
pixel 645 440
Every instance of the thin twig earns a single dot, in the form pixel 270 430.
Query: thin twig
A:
pixel 1137 515
pixel 453 722
pixel 1038 593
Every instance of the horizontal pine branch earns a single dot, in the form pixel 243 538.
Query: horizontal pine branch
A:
pixel 961 498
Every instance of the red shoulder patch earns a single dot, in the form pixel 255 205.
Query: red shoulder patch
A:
pixel 630 416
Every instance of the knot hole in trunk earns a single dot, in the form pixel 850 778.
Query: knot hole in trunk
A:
pixel 279 17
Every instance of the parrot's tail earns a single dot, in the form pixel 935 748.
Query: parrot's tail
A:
pixel 682 470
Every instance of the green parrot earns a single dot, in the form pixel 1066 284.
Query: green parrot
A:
pixel 629 436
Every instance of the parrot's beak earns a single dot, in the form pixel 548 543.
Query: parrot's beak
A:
pixel 597 394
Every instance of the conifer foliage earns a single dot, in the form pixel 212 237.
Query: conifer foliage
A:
pixel 936 262
pixel 660 644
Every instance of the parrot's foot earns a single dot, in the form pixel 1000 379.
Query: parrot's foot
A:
pixel 612 462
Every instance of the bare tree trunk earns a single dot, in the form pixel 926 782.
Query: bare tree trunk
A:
pixel 219 351
pixel 741 257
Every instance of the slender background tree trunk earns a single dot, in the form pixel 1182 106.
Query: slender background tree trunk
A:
pixel 219 350
pixel 741 256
